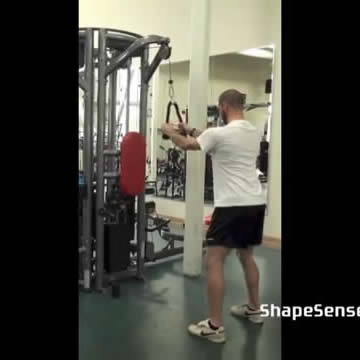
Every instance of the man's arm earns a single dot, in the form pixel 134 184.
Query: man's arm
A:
pixel 190 131
pixel 195 133
pixel 183 142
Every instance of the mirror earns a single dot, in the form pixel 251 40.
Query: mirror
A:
pixel 249 71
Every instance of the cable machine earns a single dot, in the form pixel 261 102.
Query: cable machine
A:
pixel 112 209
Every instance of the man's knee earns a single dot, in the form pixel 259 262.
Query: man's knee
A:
pixel 212 261
pixel 216 257
pixel 245 255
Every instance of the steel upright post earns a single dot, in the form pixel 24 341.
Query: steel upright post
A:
pixel 88 155
pixel 141 225
pixel 100 161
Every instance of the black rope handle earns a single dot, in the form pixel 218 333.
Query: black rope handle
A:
pixel 168 111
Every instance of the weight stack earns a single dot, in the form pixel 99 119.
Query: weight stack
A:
pixel 117 239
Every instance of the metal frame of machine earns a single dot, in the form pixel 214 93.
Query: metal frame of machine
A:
pixel 108 51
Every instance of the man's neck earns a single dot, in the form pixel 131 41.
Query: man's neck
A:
pixel 235 116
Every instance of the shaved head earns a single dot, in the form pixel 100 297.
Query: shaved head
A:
pixel 231 104
pixel 234 98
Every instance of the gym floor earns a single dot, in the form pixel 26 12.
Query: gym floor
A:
pixel 150 319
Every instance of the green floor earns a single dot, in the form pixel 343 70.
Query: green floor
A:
pixel 149 320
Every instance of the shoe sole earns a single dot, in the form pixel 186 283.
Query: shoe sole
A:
pixel 257 322
pixel 211 338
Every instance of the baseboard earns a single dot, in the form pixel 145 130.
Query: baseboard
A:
pixel 268 241
pixel 272 242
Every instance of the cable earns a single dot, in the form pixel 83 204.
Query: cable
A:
pixel 171 82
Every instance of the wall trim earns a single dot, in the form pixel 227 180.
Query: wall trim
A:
pixel 268 241
pixel 272 242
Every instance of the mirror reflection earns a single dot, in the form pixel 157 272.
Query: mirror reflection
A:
pixel 250 72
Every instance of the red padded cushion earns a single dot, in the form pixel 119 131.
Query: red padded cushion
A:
pixel 132 164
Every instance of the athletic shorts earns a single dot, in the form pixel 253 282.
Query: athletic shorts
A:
pixel 236 227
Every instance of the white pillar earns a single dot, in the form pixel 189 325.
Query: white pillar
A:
pixel 273 219
pixel 195 167
pixel 155 123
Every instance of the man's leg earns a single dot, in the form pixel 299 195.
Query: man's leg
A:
pixel 212 328
pixel 251 276
pixel 215 282
pixel 248 232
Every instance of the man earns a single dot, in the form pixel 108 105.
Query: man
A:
pixel 238 218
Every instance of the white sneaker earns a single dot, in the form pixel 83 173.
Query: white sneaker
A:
pixel 245 312
pixel 203 330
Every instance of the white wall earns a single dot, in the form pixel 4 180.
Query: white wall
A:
pixel 235 24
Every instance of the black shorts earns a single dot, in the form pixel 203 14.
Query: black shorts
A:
pixel 236 227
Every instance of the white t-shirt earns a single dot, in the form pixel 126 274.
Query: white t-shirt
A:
pixel 234 149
